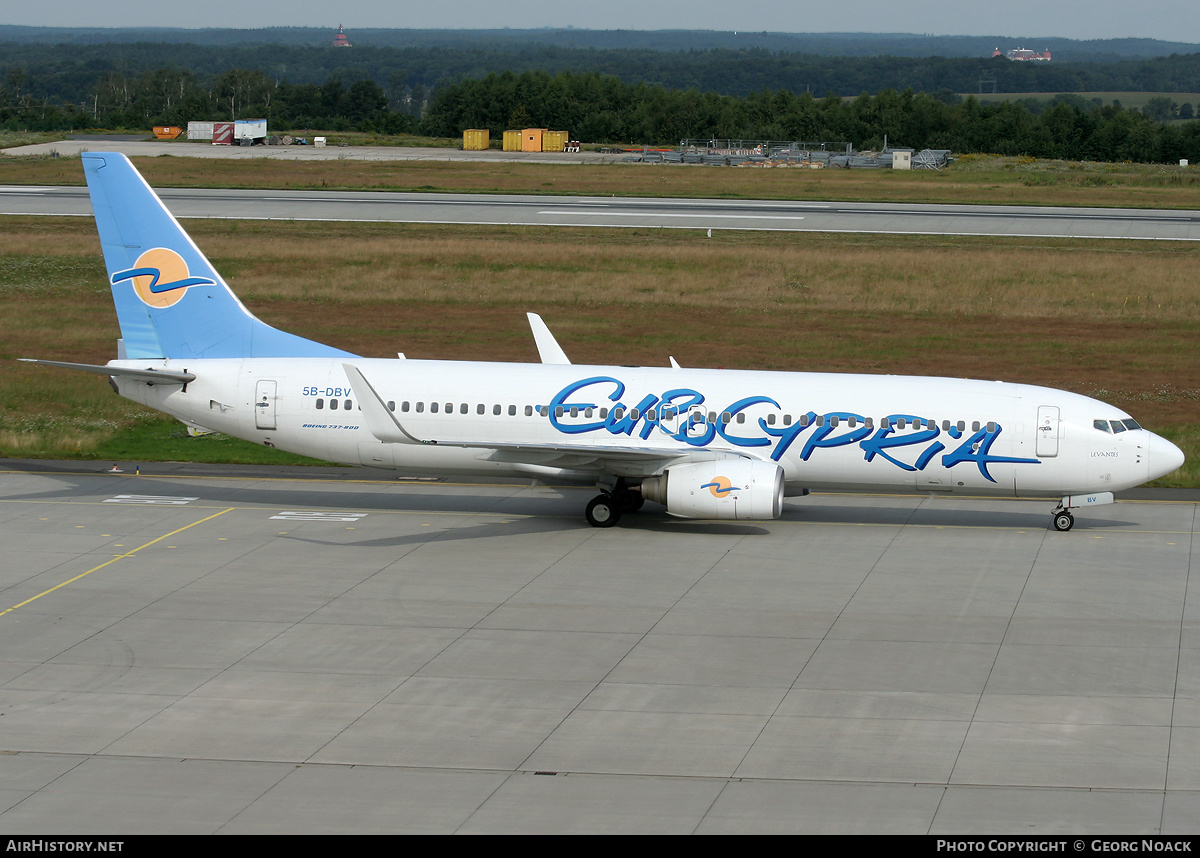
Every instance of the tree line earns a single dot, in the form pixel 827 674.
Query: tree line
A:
pixel 603 108
pixel 68 73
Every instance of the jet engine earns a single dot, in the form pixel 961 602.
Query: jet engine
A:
pixel 719 489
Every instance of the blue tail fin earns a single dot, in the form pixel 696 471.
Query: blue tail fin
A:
pixel 171 302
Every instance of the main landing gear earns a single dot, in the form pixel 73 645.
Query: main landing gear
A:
pixel 606 509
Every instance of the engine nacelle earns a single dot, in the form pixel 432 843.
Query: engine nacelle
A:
pixel 720 489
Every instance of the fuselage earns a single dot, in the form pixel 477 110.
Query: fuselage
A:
pixel 827 431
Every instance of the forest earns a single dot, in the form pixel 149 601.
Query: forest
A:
pixel 623 96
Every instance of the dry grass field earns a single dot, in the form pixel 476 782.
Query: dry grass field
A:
pixel 1115 320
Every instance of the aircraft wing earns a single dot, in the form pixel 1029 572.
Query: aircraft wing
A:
pixel 623 461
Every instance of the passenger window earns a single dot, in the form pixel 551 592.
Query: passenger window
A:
pixel 634 414
pixel 869 422
pixel 962 426
pixel 991 427
pixel 803 419
pixel 420 407
pixel 449 407
pixel 465 408
pixel 512 409
pixel 320 404
pixel 349 404
pixel 725 418
pixel 741 418
pixel 945 425
pixel 333 405
pixel 975 426
pixel 770 419
pixel 712 417
pixel 433 408
pixel 574 411
pixel 603 413
pixel 587 412
pixel 853 422
pixel 391 405
pixel 651 414
pixel 496 410
pixel 901 423
pixel 558 412
pixel 618 413
pixel 404 406
pixel 787 420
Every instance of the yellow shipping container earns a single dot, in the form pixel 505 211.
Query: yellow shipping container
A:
pixel 512 141
pixel 554 141
pixel 167 132
pixel 476 139
pixel 531 139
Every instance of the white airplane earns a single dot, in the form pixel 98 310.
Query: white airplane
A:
pixel 710 444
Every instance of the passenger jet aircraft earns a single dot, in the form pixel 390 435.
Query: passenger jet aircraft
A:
pixel 710 444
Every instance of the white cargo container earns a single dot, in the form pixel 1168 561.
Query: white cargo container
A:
pixel 200 131
pixel 247 132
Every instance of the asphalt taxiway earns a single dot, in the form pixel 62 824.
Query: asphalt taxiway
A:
pixel 652 213
pixel 225 649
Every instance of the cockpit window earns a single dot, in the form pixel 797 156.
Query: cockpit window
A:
pixel 1131 424
pixel 1117 426
pixel 1102 425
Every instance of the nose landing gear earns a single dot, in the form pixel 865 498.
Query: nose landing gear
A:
pixel 1060 519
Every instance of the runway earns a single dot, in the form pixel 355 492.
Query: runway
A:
pixel 203 649
pixel 494 209
pixel 609 212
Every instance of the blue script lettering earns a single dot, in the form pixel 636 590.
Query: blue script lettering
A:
pixel 677 416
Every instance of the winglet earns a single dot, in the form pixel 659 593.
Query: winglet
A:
pixel 548 348
pixel 674 363
pixel 381 422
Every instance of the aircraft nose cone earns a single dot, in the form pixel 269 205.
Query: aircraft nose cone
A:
pixel 1163 457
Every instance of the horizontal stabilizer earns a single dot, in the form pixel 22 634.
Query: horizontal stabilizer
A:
pixel 150 376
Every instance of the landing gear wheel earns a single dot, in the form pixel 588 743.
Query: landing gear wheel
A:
pixel 630 501
pixel 1063 520
pixel 602 511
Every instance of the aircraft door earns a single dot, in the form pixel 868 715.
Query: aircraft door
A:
pixel 1048 431
pixel 694 420
pixel 264 404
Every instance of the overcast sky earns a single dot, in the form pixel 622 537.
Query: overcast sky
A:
pixel 1173 20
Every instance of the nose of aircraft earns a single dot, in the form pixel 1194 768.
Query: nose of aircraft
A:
pixel 1163 456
